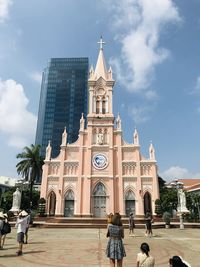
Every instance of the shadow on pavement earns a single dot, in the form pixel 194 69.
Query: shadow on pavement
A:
pixel 24 253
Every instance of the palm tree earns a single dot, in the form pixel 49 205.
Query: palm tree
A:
pixel 30 167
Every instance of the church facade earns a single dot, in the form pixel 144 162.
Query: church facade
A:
pixel 100 173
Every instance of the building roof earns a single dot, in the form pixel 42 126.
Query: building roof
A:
pixel 7 181
pixel 189 182
pixel 189 185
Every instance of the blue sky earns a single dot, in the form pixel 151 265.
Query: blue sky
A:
pixel 153 48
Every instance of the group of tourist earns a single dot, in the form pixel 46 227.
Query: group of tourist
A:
pixel 115 250
pixel 22 225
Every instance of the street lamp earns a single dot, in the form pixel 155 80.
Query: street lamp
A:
pixel 181 208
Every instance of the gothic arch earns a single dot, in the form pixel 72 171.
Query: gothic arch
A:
pixel 95 185
pixel 99 193
pixel 129 201
pixel 51 203
pixel 129 188
pixel 69 198
pixel 69 187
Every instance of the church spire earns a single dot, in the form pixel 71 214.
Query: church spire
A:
pixel 100 70
pixel 151 151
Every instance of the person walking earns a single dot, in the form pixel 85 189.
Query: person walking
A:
pixel 143 258
pixel 28 220
pixel 148 219
pixel 21 225
pixel 131 224
pixel 177 261
pixel 3 238
pixel 115 250
pixel 1 227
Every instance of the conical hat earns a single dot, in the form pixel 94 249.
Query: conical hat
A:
pixel 23 213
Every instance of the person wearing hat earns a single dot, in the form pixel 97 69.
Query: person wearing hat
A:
pixel 131 225
pixel 1 227
pixel 21 225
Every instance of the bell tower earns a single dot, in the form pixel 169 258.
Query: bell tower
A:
pixel 100 89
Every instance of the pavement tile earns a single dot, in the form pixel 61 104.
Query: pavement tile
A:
pixel 86 247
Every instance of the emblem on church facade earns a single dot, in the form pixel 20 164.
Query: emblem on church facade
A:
pixel 100 161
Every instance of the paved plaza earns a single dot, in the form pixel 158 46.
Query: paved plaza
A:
pixel 86 247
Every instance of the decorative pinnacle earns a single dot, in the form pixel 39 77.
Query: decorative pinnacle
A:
pixel 101 42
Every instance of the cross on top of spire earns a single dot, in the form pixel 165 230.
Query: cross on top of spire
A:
pixel 101 42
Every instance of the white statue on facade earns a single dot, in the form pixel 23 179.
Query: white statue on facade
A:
pixel 118 122
pixel 100 138
pixel 82 122
pixel 64 137
pixel 16 201
pixel 151 151
pixel 48 151
pixel 136 138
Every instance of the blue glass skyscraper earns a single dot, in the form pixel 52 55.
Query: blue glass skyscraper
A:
pixel 62 100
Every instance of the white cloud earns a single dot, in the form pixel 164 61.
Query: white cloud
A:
pixel 36 76
pixel 177 172
pixel 4 9
pixel 139 24
pixel 196 90
pixel 151 95
pixel 15 120
pixel 139 114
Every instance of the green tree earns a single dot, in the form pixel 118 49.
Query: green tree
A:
pixel 8 198
pixel 168 197
pixel 30 167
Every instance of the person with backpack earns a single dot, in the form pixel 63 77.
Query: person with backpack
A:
pixel 6 229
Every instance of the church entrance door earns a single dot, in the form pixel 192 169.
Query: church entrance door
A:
pixel 99 201
pixel 69 204
pixel 130 203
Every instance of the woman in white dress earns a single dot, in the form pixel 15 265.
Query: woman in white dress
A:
pixel 143 258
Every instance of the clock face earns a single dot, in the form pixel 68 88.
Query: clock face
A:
pixel 100 161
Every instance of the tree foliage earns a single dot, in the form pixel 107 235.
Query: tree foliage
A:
pixel 8 198
pixel 30 167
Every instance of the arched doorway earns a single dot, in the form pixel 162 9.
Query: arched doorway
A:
pixel 99 201
pixel 52 203
pixel 130 203
pixel 69 204
pixel 147 203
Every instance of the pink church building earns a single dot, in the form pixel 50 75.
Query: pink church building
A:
pixel 100 173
